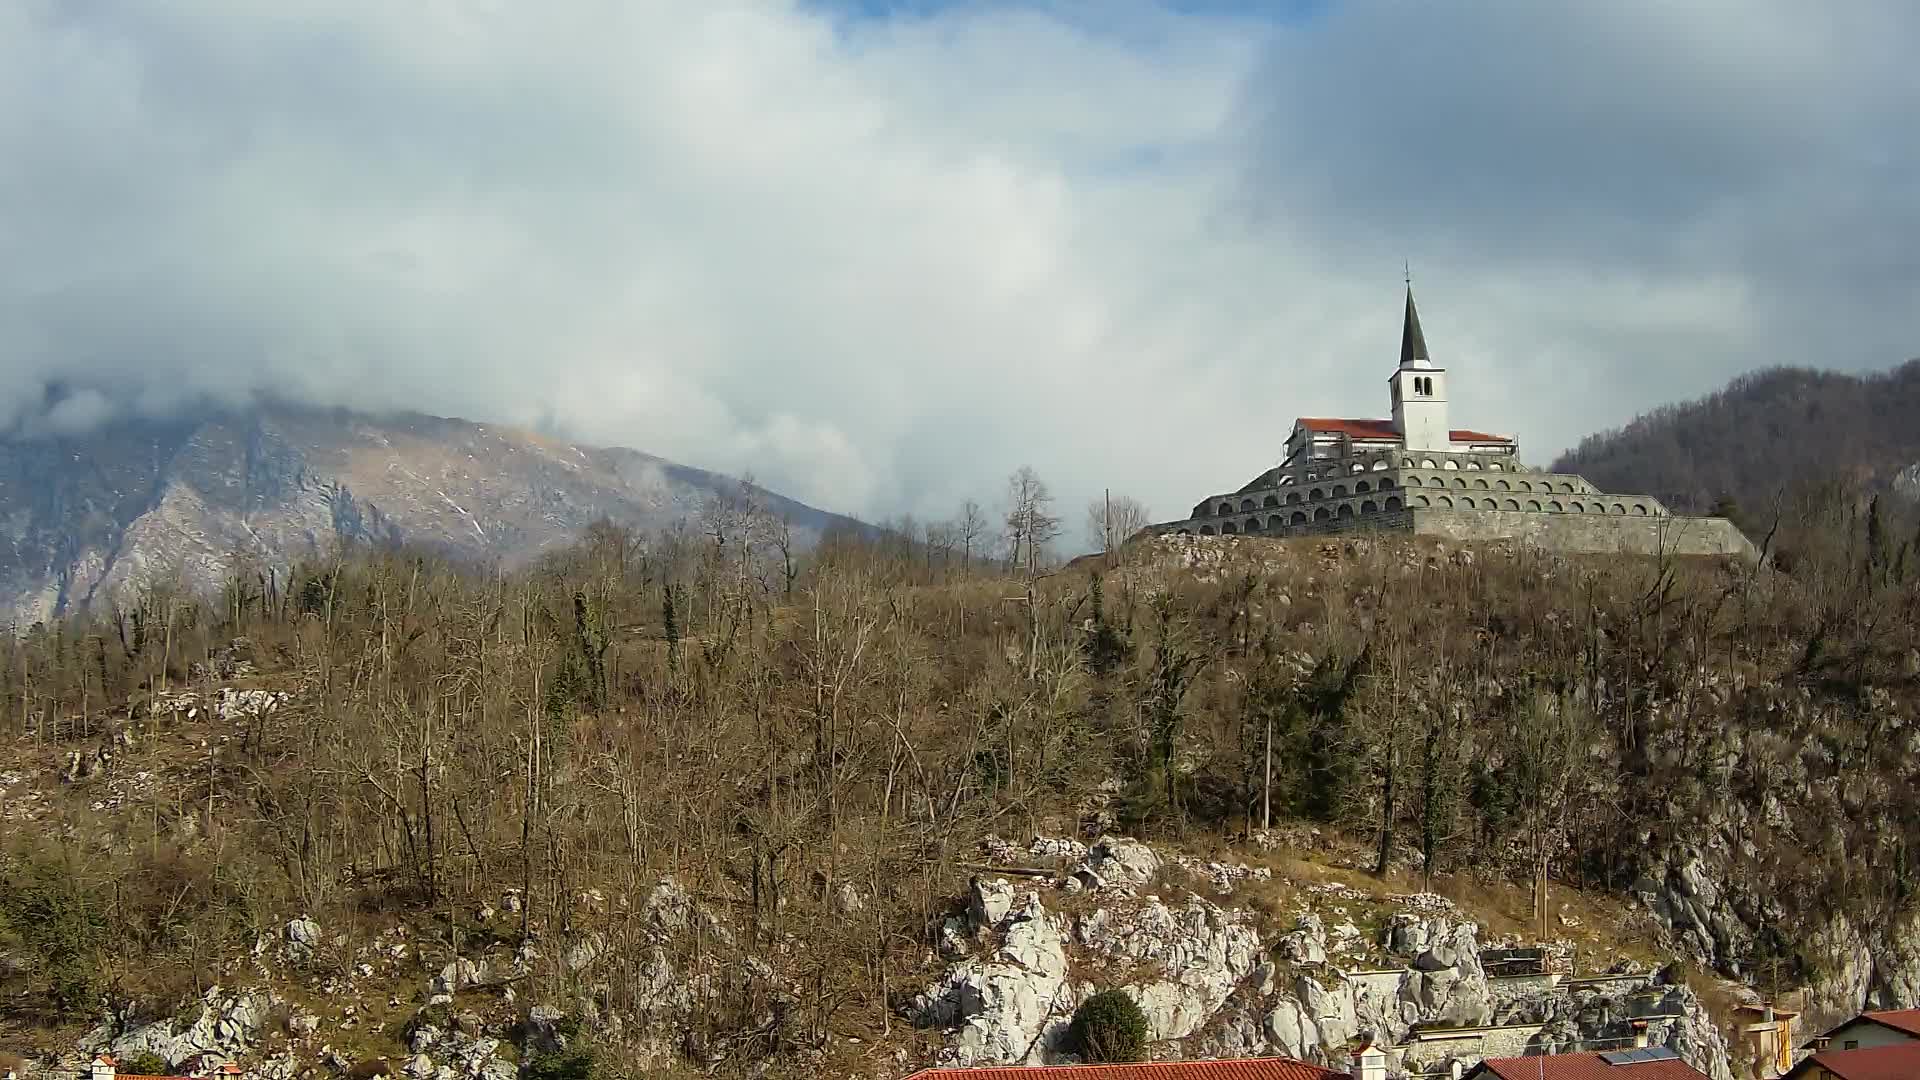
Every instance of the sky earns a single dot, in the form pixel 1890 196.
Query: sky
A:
pixel 879 253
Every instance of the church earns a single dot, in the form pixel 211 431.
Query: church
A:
pixel 1415 472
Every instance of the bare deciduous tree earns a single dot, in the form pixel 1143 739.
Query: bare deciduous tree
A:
pixel 1030 522
pixel 1112 520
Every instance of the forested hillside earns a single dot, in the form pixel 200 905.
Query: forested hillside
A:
pixel 717 806
pixel 1765 434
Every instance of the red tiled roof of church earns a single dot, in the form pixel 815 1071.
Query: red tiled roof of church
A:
pixel 1384 429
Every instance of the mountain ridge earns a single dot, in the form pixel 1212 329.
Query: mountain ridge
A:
pixel 1763 434
pixel 89 516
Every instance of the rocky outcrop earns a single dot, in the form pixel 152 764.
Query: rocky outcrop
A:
pixel 1198 954
pixel 1012 1005
pixel 227 1023
pixel 1210 986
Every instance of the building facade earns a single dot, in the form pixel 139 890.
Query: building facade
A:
pixel 1415 472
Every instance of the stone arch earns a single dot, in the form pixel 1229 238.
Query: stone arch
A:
pixel 1206 530
pixel 1293 498
pixel 1554 505
pixel 1578 507
pixel 1503 485
pixel 1369 507
pixel 1533 505
pixel 1386 483
pixel 1339 491
pixel 1427 463
pixel 1566 485
pixel 1321 514
pixel 1362 487
pixel 1246 504
pixel 1225 509
pixel 1509 505
pixel 1228 528
pixel 1449 464
pixel 1640 508
pixel 1617 508
pixel 1473 465
pixel 1496 466
pixel 1466 503
pixel 1271 500
pixel 1316 494
pixel 1421 500
pixel 1299 517
pixel 1346 510
pixel 1413 481
pixel 1380 464
pixel 1406 463
pixel 1357 467
pixel 1459 481
pixel 1393 503
pixel 1526 486
pixel 1445 503
pixel 1480 482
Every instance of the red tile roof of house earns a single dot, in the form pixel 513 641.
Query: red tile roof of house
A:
pixel 1237 1069
pixel 1896 1061
pixel 1907 1020
pixel 1585 1067
pixel 1384 429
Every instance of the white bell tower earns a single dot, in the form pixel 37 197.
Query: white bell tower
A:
pixel 1419 390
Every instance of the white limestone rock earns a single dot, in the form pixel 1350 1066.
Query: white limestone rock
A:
pixel 988 902
pixel 1009 1008
pixel 1203 952
pixel 302 937
pixel 1122 860
pixel 1306 943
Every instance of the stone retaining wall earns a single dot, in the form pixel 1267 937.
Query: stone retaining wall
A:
pixel 1591 534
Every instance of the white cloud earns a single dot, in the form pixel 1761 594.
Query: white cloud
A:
pixel 879 264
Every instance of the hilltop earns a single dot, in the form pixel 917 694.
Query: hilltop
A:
pixel 1766 433
pixel 653 799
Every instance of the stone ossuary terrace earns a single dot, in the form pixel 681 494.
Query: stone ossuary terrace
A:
pixel 1416 473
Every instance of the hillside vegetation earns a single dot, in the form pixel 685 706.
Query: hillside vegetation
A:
pixel 1763 436
pixel 812 750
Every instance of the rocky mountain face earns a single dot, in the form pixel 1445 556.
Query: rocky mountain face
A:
pixel 87 518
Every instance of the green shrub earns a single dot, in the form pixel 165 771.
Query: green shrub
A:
pixel 57 918
pixel 1109 1027
pixel 147 1064
pixel 573 1063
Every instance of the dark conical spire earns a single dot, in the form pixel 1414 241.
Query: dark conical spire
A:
pixel 1413 344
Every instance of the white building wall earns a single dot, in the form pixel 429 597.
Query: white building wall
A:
pixel 1866 1033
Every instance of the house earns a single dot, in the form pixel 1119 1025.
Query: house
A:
pixel 1883 1028
pixel 1887 1061
pixel 1639 1063
pixel 1369 1063
pixel 106 1067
